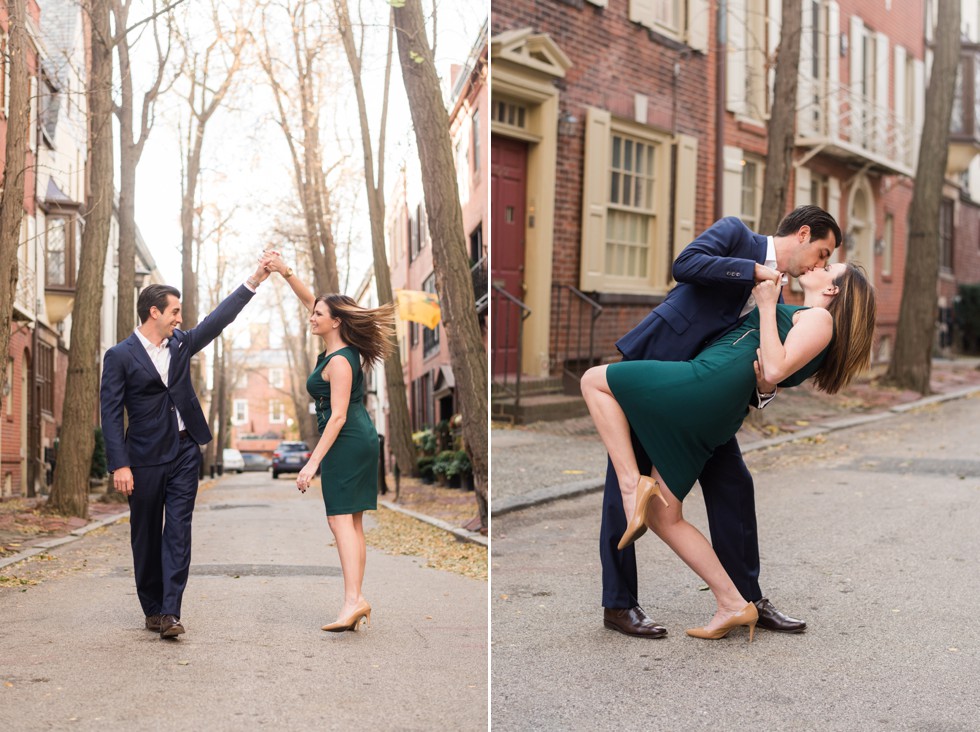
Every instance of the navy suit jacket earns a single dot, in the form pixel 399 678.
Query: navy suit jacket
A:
pixel 130 381
pixel 715 276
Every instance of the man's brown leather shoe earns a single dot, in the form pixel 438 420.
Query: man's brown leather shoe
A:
pixel 632 621
pixel 170 626
pixel 771 619
pixel 153 623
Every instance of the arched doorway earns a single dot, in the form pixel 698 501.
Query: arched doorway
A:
pixel 861 226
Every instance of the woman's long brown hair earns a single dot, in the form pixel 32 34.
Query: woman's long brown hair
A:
pixel 369 330
pixel 854 310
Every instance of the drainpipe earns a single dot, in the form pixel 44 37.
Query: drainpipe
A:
pixel 721 51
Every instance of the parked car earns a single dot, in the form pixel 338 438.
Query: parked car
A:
pixel 289 457
pixel 231 459
pixel 256 462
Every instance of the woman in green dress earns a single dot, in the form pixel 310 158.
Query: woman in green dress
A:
pixel 347 452
pixel 680 411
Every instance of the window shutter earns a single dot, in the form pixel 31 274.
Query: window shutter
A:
pixel 732 184
pixel 642 12
pixel 735 58
pixel 773 30
pixel 881 97
pixel 698 23
pixel 833 200
pixel 918 104
pixel 856 50
pixel 899 86
pixel 831 56
pixel 594 198
pixel 685 192
pixel 802 196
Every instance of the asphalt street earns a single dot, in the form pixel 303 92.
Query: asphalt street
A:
pixel 264 578
pixel 870 534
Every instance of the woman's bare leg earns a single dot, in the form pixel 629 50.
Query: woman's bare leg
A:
pixel 690 545
pixel 614 430
pixel 351 551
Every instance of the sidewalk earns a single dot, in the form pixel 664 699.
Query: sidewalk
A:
pixel 544 461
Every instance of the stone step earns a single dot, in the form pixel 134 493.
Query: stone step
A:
pixel 530 386
pixel 540 408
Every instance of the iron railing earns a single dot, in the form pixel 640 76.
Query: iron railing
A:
pixel 479 273
pixel 573 315
pixel 505 342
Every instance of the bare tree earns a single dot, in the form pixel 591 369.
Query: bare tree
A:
pixel 399 438
pixel 208 75
pixel 782 120
pixel 69 494
pixel 14 180
pixel 454 283
pixel 911 364
pixel 308 40
pixel 131 148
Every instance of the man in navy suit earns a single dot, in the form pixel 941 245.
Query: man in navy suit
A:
pixel 715 274
pixel 155 460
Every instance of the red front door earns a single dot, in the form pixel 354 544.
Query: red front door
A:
pixel 508 192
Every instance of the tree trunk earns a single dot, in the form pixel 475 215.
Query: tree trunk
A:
pixel 12 202
pixel 69 494
pixel 911 364
pixel 449 257
pixel 399 437
pixel 782 120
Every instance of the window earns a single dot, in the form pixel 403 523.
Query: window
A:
pixel 626 197
pixel 660 15
pixel 413 333
pixel 463 168
pixel 59 251
pixel 45 376
pixel 49 105
pixel 756 58
pixel 414 243
pixel 276 378
pixel 946 237
pixel 430 338
pixel 887 245
pixel 751 199
pixel 476 141
pixel 509 114
pixel 9 384
pixel 277 412
pixel 239 414
pixel 5 73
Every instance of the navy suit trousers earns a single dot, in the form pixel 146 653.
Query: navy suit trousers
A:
pixel 729 498
pixel 163 498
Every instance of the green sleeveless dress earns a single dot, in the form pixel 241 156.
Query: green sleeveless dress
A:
pixel 349 472
pixel 682 410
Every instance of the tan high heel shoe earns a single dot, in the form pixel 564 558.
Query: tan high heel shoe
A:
pixel 352 621
pixel 748 615
pixel 637 526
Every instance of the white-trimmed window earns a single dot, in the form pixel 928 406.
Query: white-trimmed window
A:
pixel 753 35
pixel 887 243
pixel 239 411
pixel 277 412
pixel 626 202
pixel 751 199
pixel 276 378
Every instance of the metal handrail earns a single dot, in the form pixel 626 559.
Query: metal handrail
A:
pixel 502 327
pixel 570 376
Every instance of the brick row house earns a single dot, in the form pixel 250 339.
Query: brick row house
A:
pixel 622 128
pixel 428 373
pixel 33 381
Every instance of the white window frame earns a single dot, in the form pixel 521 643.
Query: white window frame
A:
pixel 276 378
pixel 277 411
pixel 239 411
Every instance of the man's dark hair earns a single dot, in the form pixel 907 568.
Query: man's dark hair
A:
pixel 820 222
pixel 154 296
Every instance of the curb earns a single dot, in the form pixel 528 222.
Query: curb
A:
pixel 62 540
pixel 572 490
pixel 472 536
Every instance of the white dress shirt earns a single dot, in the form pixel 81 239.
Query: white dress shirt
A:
pixel 160 356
